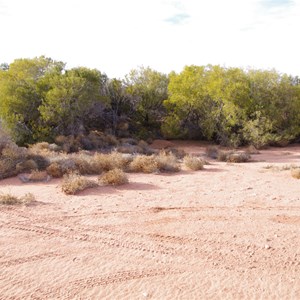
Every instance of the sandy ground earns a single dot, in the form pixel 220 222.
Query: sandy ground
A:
pixel 231 231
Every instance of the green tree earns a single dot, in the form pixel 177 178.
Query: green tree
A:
pixel 70 99
pixel 205 102
pixel 121 104
pixel 149 89
pixel 275 99
pixel 22 88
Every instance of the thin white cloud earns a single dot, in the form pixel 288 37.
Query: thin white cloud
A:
pixel 178 19
pixel 116 36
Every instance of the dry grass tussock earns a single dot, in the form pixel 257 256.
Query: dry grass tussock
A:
pixel 281 168
pixel 44 149
pixel 9 199
pixel 93 141
pixel 15 160
pixel 228 155
pixel 238 157
pixel 144 164
pixel 167 162
pixel 164 162
pixel 26 166
pixel 132 146
pixel 35 176
pixel 233 157
pixel 193 163
pixel 87 164
pixel 11 155
pixel 61 166
pixel 113 177
pixel 113 160
pixel 73 183
pixel 295 173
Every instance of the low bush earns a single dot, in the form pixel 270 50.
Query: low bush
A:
pixel 212 152
pixel 9 199
pixel 233 157
pixel 38 176
pixel 193 163
pixel 113 177
pixel 113 160
pixel 85 164
pixel 167 162
pixel 55 170
pixel 238 157
pixel 295 173
pixel 68 144
pixel 179 153
pixel 130 149
pixel 223 155
pixel 144 164
pixel 73 183
pixel 11 155
pixel 26 166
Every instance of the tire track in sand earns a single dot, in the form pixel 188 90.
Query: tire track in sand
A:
pixel 73 288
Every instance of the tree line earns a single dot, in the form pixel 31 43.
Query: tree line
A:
pixel 40 99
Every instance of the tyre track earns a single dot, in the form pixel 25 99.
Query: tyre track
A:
pixel 153 210
pixel 15 213
pixel 110 239
pixel 73 288
pixel 32 258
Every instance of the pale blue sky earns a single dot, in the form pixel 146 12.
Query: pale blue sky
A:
pixel 115 36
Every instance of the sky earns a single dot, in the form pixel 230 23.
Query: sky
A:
pixel 115 36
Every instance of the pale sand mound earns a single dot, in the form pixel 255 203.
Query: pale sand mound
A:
pixel 231 231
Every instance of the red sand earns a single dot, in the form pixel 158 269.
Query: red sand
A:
pixel 231 231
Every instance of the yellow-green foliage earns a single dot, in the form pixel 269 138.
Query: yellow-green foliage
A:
pixel 114 177
pixel 194 163
pixel 9 199
pixel 73 183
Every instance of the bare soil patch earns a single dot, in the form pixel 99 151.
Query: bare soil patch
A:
pixel 229 231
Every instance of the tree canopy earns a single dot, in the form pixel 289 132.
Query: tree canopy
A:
pixel 41 99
